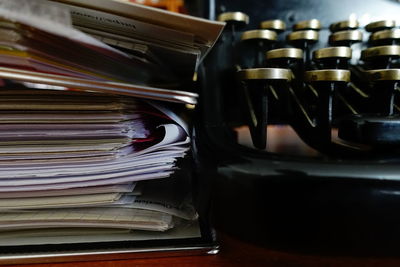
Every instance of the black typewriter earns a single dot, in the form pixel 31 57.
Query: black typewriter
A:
pixel 299 128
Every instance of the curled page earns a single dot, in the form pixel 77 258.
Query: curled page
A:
pixel 47 17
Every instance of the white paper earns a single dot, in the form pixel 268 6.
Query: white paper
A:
pixel 41 15
pixel 118 188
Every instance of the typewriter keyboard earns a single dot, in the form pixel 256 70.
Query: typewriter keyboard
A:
pixel 337 86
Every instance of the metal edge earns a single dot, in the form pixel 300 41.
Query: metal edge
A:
pixel 333 52
pixel 384 75
pixel 309 35
pixel 349 35
pixel 275 25
pixel 259 34
pixel 233 16
pixel 344 25
pixel 112 254
pixel 312 24
pixel 380 24
pixel 329 75
pixel 295 53
pixel 376 51
pixel 265 74
pixel 101 86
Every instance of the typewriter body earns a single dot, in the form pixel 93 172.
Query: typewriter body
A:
pixel 324 74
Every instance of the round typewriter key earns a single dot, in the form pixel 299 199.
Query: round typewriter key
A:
pixel 290 53
pixel 261 87
pixel 276 25
pixel 385 37
pixel 265 74
pixel 301 36
pixel 239 19
pixel 312 24
pixel 303 40
pixel 333 57
pixel 380 25
pixel 259 35
pixel 345 25
pixel 289 58
pixel 380 51
pixel 234 21
pixel 381 57
pixel 345 38
pixel 384 75
pixel 254 45
pixel 326 83
pixel 385 85
pixel 331 75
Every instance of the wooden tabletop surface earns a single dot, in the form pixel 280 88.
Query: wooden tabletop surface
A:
pixel 238 253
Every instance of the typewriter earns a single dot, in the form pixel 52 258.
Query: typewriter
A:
pixel 295 138
pixel 299 129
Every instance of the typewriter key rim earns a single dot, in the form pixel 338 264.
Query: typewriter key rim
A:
pixel 344 25
pixel 328 75
pixel 383 75
pixel 333 52
pixel 259 35
pixel 312 24
pixel 385 35
pixel 348 35
pixel 306 35
pixel 294 53
pixel 273 25
pixel 380 51
pixel 265 74
pixel 380 25
pixel 237 17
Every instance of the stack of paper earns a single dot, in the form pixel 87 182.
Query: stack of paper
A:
pixel 77 152
pixel 39 43
pixel 71 159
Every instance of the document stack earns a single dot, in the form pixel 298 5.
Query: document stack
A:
pixel 88 149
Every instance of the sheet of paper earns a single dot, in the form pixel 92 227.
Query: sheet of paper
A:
pixel 134 90
pixel 59 201
pixel 87 217
pixel 47 17
pixel 60 236
pixel 205 32
pixel 118 188
pixel 82 184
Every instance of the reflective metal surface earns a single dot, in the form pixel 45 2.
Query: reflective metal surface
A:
pixel 327 75
pixel 264 74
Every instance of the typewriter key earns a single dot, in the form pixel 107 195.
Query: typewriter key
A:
pixel 345 25
pixel 275 25
pixel 332 57
pixel 345 38
pixel 257 85
pixel 289 58
pixel 386 83
pixel 385 37
pixel 326 82
pixel 303 40
pixel 255 44
pixel 312 24
pixel 381 57
pixel 234 21
pixel 237 19
pixel 380 25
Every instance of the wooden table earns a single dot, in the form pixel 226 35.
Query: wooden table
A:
pixel 239 253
